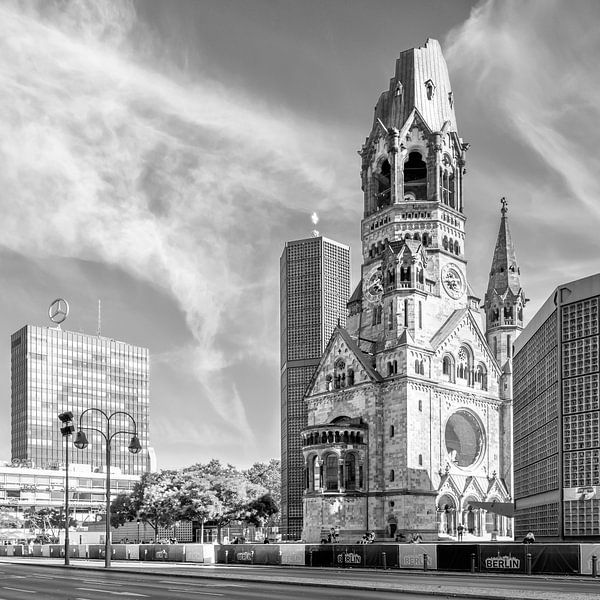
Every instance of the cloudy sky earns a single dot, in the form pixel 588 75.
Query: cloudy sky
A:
pixel 157 155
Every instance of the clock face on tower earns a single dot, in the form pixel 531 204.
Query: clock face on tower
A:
pixel 373 286
pixel 453 281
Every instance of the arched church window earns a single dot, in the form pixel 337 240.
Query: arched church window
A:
pixel 425 240
pixel 481 376
pixel 444 179
pixel 350 483
pixel 379 314
pixel 463 368
pixel 316 473
pixel 420 460
pixel 451 191
pixel 382 179
pixel 420 274
pixel 405 273
pixel 331 472
pixel 415 176
pixel 417 236
pixel 391 431
pixel 448 368
pixel 508 312
pixel 390 369
pixel 328 382
pixel 520 313
pixel 407 236
pixel 445 242
pixel 495 314
pixel 456 248
pixel 350 376
pixel 391 316
pixel 391 276
pixel 392 475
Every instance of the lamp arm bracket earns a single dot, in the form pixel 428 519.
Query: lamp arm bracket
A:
pixel 95 429
pixel 118 432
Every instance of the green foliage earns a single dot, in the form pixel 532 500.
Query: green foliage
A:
pixel 268 475
pixel 121 510
pixel 260 511
pixel 211 492
pixel 47 519
pixel 9 520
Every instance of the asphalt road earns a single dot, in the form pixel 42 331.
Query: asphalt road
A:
pixel 165 582
pixel 22 581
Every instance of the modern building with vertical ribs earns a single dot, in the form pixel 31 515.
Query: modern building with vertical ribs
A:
pixel 557 416
pixel 53 371
pixel 314 286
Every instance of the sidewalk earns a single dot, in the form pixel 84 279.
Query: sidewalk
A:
pixel 365 579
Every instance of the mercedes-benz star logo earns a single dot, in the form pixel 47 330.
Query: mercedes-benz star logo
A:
pixel 58 311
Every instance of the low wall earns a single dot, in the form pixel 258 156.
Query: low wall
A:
pixel 484 558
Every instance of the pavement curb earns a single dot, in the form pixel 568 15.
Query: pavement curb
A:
pixel 293 581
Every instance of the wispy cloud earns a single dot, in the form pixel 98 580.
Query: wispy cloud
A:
pixel 526 76
pixel 107 159
pixel 535 66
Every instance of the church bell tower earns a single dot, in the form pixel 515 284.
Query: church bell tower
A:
pixel 504 299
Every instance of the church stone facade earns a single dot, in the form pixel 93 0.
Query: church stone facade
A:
pixel 409 410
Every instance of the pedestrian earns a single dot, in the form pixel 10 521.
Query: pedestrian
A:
pixel 529 538
pixel 460 529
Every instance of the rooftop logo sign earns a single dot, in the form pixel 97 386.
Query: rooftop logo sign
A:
pixel 58 310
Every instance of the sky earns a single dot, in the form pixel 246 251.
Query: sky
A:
pixel 158 155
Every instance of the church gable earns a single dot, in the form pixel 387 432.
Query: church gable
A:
pixel 473 488
pixel 497 489
pixel 342 365
pixel 460 341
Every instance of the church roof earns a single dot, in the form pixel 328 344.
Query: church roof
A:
pixel 361 357
pixel 420 82
pixel 448 327
pixel 357 294
pixel 504 274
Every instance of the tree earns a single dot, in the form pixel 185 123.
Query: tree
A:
pixel 155 499
pixel 121 510
pixel 268 475
pixel 228 489
pixel 47 519
pixel 8 519
pixel 260 511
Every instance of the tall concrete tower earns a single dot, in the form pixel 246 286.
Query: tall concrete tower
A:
pixel 314 285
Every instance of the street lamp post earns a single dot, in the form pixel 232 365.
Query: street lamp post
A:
pixel 81 442
pixel 67 429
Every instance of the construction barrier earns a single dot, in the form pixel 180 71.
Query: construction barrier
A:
pixel 465 557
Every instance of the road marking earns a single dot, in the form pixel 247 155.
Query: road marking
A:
pixel 115 593
pixel 195 592
pixel 19 590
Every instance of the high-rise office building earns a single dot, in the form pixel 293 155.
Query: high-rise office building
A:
pixel 556 370
pixel 55 371
pixel 315 285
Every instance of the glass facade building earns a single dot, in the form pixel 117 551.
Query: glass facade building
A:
pixel 23 488
pixel 53 371
pixel 557 416
pixel 315 286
